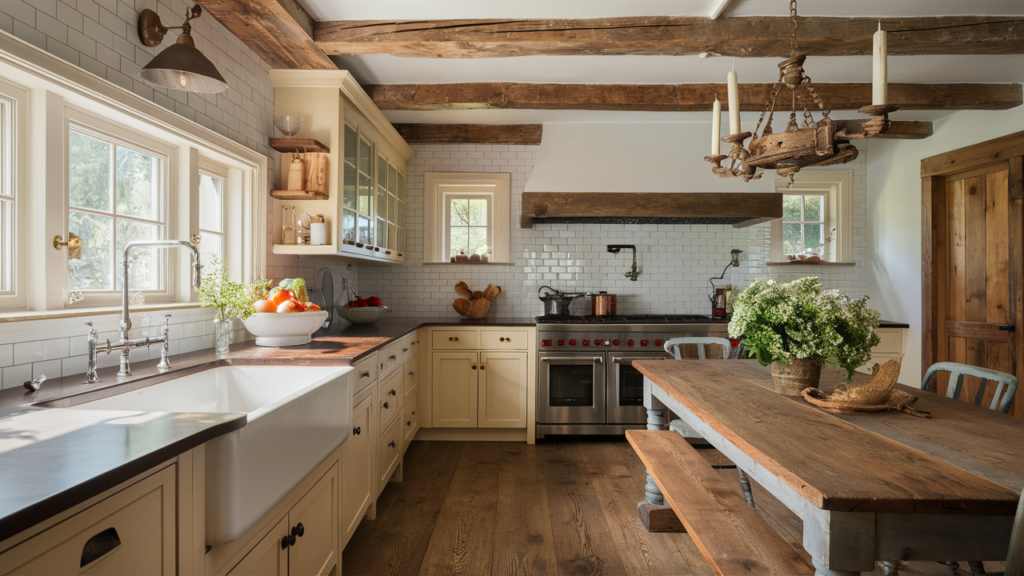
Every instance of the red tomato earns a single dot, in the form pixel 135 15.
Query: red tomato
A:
pixel 282 296
pixel 290 306
pixel 374 301
pixel 264 306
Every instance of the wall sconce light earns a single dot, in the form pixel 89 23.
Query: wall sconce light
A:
pixel 180 66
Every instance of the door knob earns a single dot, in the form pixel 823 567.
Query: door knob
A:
pixel 298 530
pixel 1008 327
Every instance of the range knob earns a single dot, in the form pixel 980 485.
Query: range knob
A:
pixel 607 343
pixel 657 342
pixel 629 342
pixel 545 342
pixel 561 342
pixel 644 342
pixel 597 342
pixel 572 342
pixel 615 342
pixel 586 342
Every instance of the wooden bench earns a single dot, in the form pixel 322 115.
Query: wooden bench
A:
pixel 731 536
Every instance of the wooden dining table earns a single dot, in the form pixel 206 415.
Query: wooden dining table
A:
pixel 869 487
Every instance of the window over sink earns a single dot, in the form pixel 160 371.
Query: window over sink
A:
pixel 468 214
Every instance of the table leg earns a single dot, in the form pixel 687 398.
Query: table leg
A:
pixel 820 570
pixel 654 514
pixel 655 421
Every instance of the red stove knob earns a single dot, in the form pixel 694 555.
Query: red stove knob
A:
pixel 657 342
pixel 597 342
pixel 586 342
pixel 545 342
pixel 615 342
pixel 572 342
pixel 561 342
pixel 644 342
pixel 629 342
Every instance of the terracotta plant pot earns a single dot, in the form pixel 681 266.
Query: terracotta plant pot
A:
pixel 792 377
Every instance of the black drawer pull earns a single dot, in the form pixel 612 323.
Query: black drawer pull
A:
pixel 385 405
pixel 1008 327
pixel 357 430
pixel 409 423
pixel 364 374
pixel 392 357
pixel 99 545
pixel 391 444
pixel 393 393
pixel 410 373
pixel 413 412
pixel 405 349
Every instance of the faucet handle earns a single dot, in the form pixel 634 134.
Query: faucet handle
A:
pixel 92 329
pixel 196 238
pixel 34 384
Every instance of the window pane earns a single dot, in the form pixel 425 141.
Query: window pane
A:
pixel 212 245
pixel 365 230
pixel 348 225
pixel 392 209
pixel 460 213
pixel 791 241
pixel 350 145
pixel 137 188
pixel 95 269
pixel 143 263
pixel 814 207
pixel 88 172
pixel 211 203
pixel 6 244
pixel 382 172
pixel 791 208
pixel 813 237
pixel 392 180
pixel 382 202
pixel 401 187
pixel 459 240
pixel 382 229
pixel 349 187
pixel 392 237
pixel 365 158
pixel 477 240
pixel 478 212
pixel 365 195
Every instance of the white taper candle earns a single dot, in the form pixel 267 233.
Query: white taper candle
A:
pixel 879 79
pixel 716 128
pixel 734 104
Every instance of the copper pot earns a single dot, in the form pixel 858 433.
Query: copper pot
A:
pixel 603 304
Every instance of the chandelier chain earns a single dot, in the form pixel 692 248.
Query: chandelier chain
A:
pixel 792 28
pixel 769 107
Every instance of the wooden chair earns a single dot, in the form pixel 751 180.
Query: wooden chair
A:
pixel 673 346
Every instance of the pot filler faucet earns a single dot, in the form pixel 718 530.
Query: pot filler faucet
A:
pixel 126 345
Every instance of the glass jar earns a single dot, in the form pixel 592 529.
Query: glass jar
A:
pixel 221 336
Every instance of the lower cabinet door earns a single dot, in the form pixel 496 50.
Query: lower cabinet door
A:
pixel 503 377
pixel 409 424
pixel 269 557
pixel 314 522
pixel 454 395
pixel 357 467
pixel 132 532
pixel 390 453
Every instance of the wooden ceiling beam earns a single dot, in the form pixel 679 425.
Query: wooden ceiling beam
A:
pixel 741 37
pixel 523 134
pixel 280 31
pixel 677 97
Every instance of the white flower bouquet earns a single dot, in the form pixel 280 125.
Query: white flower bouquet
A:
pixel 799 320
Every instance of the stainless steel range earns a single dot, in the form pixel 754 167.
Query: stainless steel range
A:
pixel 586 383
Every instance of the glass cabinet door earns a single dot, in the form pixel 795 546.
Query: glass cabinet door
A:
pixel 401 213
pixel 382 201
pixel 365 189
pixel 348 186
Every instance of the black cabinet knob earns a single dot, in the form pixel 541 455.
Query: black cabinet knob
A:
pixel 393 392
pixel 409 423
pixel 385 404
pixel 284 543
pixel 391 444
pixel 357 430
pixel 298 530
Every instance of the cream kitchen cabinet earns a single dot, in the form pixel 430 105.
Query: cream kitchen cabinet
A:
pixel 454 377
pixel 502 390
pixel 893 346
pixel 358 469
pixel 269 557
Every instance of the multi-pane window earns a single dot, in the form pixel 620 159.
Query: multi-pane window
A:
pixel 8 199
pixel 116 195
pixel 211 216
pixel 804 220
pixel 469 224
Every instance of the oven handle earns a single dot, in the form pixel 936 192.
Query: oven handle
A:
pixel 619 360
pixel 598 359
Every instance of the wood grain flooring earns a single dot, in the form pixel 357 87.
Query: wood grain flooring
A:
pixel 556 508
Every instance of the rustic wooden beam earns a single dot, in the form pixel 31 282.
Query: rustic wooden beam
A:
pixel 677 97
pixel 280 31
pixel 898 130
pixel 525 134
pixel 747 37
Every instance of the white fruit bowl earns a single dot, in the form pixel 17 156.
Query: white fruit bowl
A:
pixel 284 329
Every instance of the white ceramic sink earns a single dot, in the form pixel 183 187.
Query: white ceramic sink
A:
pixel 296 416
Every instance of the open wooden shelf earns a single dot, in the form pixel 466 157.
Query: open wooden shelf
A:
pixel 738 209
pixel 305 249
pixel 298 195
pixel 298 145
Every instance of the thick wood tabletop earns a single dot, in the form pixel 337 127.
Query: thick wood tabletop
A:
pixel 965 459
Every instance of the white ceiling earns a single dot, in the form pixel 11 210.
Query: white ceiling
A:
pixel 387 69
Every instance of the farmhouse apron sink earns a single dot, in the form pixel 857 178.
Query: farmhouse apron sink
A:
pixel 296 416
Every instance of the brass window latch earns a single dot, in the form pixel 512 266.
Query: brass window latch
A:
pixel 74 244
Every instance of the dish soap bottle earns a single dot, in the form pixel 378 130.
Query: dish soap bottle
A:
pixel 287 225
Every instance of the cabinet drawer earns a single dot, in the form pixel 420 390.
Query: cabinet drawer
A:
pixel 503 339
pixel 409 422
pixel 390 454
pixel 391 394
pixel 409 379
pixel 389 358
pixel 132 532
pixel 364 373
pixel 454 340
pixel 890 343
pixel 407 346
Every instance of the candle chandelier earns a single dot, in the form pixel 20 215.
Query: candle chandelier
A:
pixel 816 143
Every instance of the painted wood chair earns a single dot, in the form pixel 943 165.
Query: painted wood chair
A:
pixel 673 346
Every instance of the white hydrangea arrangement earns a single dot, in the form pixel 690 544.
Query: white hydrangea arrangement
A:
pixel 780 322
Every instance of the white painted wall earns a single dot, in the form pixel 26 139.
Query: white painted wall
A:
pixel 894 215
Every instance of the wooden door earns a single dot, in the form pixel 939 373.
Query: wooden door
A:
pixel 454 394
pixel 502 390
pixel 357 468
pixel 972 262
pixel 315 518
pixel 269 557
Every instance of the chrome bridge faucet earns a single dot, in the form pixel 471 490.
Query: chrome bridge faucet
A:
pixel 126 345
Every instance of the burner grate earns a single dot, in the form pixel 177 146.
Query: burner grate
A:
pixel 633 319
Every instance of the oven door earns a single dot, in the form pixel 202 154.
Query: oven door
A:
pixel 626 387
pixel 571 389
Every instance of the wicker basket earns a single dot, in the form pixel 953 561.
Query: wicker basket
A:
pixel 364 315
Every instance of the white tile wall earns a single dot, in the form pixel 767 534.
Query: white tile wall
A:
pixel 675 261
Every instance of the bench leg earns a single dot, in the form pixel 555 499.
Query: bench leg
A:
pixel 745 485
pixel 652 495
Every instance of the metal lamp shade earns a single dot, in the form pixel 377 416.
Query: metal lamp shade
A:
pixel 183 67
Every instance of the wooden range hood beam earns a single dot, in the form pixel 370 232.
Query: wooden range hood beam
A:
pixel 523 134
pixel 738 209
pixel 741 37
pixel 280 31
pixel 676 97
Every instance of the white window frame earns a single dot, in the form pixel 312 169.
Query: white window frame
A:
pixel 837 188
pixel 448 199
pixel 220 172
pixel 168 269
pixel 13 151
pixel 440 187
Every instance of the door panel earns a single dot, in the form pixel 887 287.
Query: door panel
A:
pixel 454 392
pixel 315 551
pixel 268 558
pixel 502 390
pixel 357 467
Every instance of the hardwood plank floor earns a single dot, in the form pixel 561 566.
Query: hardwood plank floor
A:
pixel 561 508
